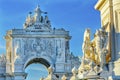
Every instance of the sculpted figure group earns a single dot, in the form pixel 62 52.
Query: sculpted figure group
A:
pixel 96 52
pixel 37 20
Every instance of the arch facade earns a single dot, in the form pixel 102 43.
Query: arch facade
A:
pixel 36 42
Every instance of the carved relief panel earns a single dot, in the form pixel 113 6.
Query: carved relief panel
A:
pixel 39 47
pixel 50 47
pixel 60 49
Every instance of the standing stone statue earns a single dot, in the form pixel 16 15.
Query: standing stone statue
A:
pixel 101 46
pixel 88 51
pixel 86 44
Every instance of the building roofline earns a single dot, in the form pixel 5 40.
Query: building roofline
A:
pixel 99 4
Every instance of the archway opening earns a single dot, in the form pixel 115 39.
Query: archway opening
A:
pixel 36 69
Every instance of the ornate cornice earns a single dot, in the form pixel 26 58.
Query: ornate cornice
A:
pixel 99 4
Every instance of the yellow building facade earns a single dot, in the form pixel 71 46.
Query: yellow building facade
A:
pixel 110 21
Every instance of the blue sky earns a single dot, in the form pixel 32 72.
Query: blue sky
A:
pixel 35 71
pixel 73 15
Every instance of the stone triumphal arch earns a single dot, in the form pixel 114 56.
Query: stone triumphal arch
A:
pixel 36 42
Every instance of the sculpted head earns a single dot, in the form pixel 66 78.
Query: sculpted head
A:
pixel 87 30
pixel 87 34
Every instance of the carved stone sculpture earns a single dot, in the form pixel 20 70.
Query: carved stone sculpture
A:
pixel 88 51
pixel 63 77
pixel 94 59
pixel 74 72
pixel 101 46
pixel 86 44
pixel 51 76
